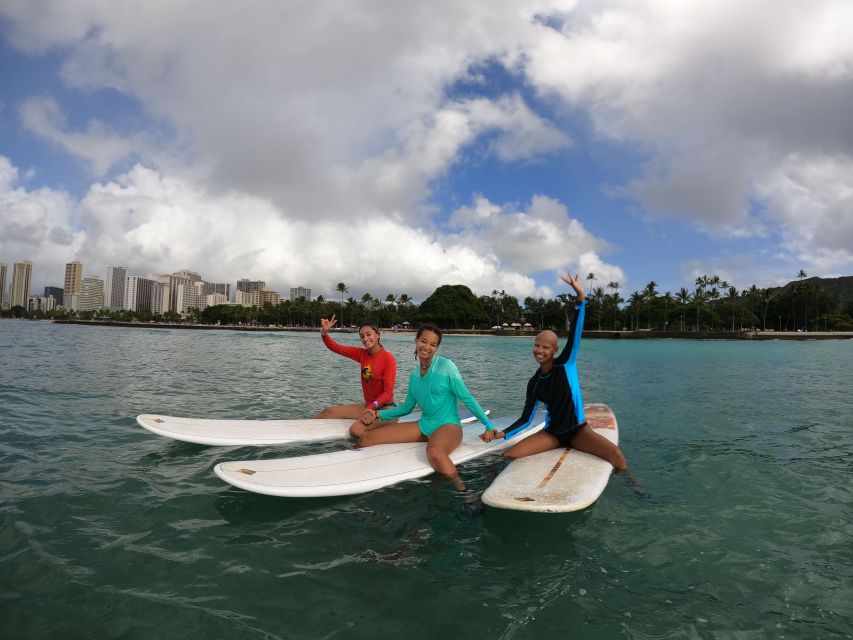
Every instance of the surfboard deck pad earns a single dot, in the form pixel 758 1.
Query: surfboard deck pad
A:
pixel 559 480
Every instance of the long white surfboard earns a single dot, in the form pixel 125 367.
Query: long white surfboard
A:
pixel 354 470
pixel 241 433
pixel 558 480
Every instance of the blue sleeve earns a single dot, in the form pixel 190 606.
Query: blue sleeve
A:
pixel 457 386
pixel 401 410
pixel 527 415
pixel 570 351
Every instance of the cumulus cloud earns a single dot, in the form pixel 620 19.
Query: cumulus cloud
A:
pixel 320 108
pixel 158 224
pixel 37 225
pixel 717 95
pixel 307 113
pixel 98 146
pixel 812 198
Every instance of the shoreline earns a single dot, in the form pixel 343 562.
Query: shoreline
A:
pixel 511 333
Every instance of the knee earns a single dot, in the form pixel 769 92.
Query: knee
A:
pixel 357 430
pixel 435 457
pixel 617 459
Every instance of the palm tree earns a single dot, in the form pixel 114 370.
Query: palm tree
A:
pixel 667 300
pixel 649 294
pixel 342 288
pixel 599 297
pixel 699 295
pixel 683 297
pixel 591 279
pixel 615 299
pixel 634 303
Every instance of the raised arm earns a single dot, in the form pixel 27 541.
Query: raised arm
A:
pixel 570 351
pixel 353 353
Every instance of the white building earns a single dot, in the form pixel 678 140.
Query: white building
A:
pixel 41 303
pixel 138 293
pixel 191 296
pixel 114 287
pixel 299 292
pixel 22 273
pixel 215 299
pixel 91 294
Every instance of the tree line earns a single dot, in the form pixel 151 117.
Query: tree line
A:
pixel 711 304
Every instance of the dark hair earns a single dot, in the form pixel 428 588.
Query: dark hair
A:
pixel 372 326
pixel 429 327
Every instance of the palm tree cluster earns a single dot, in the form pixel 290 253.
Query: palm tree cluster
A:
pixel 712 304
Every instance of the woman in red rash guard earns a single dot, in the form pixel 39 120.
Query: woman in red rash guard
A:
pixel 378 373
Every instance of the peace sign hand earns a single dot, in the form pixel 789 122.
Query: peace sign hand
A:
pixel 575 284
pixel 325 325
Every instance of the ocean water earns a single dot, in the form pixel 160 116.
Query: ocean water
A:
pixel 742 525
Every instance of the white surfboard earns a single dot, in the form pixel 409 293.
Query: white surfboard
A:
pixel 241 433
pixel 354 470
pixel 558 480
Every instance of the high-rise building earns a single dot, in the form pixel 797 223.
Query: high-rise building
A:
pixel 138 293
pixel 22 274
pixel 159 297
pixel 191 295
pixel 247 286
pixel 58 294
pixel 41 303
pixel 91 294
pixel 217 287
pixel 215 299
pixel 175 281
pixel 73 277
pixel 299 292
pixel 2 283
pixel 114 287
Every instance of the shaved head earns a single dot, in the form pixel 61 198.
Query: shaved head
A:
pixel 548 337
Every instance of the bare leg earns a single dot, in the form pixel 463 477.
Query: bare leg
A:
pixel 358 428
pixel 441 444
pixel 392 433
pixel 349 411
pixel 537 443
pixel 589 441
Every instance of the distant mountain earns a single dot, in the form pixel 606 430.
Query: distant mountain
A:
pixel 841 287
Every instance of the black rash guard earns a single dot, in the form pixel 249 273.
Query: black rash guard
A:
pixel 559 390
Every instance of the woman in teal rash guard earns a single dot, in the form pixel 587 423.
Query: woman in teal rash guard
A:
pixel 436 387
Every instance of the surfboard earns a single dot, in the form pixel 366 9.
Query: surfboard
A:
pixel 558 480
pixel 241 433
pixel 355 470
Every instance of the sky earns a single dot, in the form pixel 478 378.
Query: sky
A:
pixel 400 146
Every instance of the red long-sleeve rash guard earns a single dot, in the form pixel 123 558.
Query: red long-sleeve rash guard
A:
pixel 378 372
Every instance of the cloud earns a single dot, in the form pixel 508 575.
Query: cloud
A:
pixel 542 238
pixel 323 109
pixel 98 146
pixel 157 224
pixel 36 225
pixel 717 96
pixel 811 197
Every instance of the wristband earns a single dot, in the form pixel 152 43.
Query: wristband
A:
pixel 376 405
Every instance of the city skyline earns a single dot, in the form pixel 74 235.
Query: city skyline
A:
pixel 495 145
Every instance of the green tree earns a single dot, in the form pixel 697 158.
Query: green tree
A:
pixel 453 306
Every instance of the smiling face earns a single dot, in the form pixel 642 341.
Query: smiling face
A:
pixel 369 337
pixel 545 348
pixel 426 344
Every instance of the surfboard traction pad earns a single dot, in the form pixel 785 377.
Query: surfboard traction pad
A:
pixel 598 416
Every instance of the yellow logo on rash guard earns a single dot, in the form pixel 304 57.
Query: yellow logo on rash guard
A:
pixel 367 373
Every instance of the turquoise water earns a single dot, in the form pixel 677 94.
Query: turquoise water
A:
pixel 743 527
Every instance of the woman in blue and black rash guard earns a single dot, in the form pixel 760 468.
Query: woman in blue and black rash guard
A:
pixel 555 384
